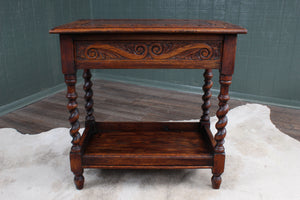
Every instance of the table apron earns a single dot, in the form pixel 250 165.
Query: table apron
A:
pixel 99 54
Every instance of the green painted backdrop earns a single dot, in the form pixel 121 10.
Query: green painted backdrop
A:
pixel 267 62
pixel 29 56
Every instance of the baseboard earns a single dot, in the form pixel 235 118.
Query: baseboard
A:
pixel 31 99
pixel 194 89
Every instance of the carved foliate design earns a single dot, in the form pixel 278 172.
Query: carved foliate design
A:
pixel 152 50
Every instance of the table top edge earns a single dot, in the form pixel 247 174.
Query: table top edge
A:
pixel 148 26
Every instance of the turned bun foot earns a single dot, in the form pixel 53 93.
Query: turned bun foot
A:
pixel 79 181
pixel 216 182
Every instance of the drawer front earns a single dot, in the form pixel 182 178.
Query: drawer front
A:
pixel 148 54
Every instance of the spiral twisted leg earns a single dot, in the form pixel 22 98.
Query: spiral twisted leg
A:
pixel 219 150
pixel 89 119
pixel 205 120
pixel 75 154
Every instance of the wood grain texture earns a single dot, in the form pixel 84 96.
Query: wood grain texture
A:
pixel 228 58
pixel 129 102
pixel 145 51
pixel 148 26
pixel 67 55
pixel 148 143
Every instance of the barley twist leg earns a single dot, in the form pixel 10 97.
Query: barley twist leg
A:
pixel 75 154
pixel 205 120
pixel 87 86
pixel 219 150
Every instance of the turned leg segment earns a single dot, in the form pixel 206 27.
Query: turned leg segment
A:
pixel 88 96
pixel 75 159
pixel 75 154
pixel 205 120
pixel 89 119
pixel 217 170
pixel 219 150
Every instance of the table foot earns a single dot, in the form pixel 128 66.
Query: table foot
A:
pixel 79 181
pixel 216 180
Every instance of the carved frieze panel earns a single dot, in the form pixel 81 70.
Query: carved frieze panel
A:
pixel 148 50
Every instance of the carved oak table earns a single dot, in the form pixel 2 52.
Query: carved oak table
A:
pixel 181 44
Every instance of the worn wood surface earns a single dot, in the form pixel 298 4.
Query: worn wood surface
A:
pixel 116 101
pixel 147 51
pixel 148 26
pixel 148 144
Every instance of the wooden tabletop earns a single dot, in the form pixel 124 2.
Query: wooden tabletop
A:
pixel 149 26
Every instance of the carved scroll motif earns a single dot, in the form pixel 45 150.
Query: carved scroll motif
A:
pixel 154 50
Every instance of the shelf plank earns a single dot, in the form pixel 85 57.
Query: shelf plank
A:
pixel 141 144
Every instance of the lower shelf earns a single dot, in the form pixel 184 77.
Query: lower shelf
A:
pixel 147 145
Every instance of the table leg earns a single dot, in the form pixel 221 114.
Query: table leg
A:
pixel 219 151
pixel 89 119
pixel 75 154
pixel 205 120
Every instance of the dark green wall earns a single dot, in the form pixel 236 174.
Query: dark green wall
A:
pixel 267 62
pixel 29 56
